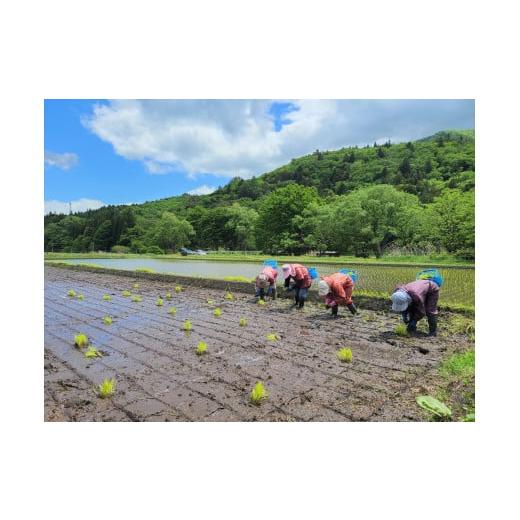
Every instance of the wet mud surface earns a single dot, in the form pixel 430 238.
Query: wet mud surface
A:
pixel 160 378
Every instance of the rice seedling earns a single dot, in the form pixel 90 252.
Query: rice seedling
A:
pixel 107 320
pixel 136 286
pixel 401 330
pixel 217 312
pixel 258 393
pixel 434 406
pixel 80 297
pixel 228 296
pixel 71 293
pixel 345 355
pixel 144 270
pixel 211 302
pixel 107 297
pixel 80 340
pixel 272 337
pixel 126 294
pixel 159 302
pixel 107 388
pixel 261 302
pixel 242 322
pixel 92 352
pixel 172 310
pixel 178 288
pixel 237 279
pixel 136 298
pixel 187 326
pixel 168 296
pixel 201 348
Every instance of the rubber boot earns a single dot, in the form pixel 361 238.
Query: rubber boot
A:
pixel 301 303
pixel 352 308
pixel 432 324
pixel 334 312
pixel 273 293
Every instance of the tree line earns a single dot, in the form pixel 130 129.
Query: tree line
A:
pixel 359 201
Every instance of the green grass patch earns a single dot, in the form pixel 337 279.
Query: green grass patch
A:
pixel 460 366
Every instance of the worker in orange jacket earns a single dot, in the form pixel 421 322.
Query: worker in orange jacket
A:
pixel 337 290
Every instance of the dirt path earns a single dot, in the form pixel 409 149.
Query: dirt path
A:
pixel 159 377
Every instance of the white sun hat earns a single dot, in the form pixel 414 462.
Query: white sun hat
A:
pixel 323 288
pixel 400 300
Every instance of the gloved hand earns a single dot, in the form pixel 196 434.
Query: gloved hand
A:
pixel 406 316
pixel 352 308
pixel 412 326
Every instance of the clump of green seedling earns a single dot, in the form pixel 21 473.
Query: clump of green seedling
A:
pixel 178 288
pixel 258 393
pixel 136 286
pixel 242 322
pixel 80 297
pixel 172 310
pixel 107 297
pixel 71 293
pixel 107 320
pixel 201 348
pixel 228 296
pixel 168 296
pixel 107 388
pixel 144 270
pixel 261 302
pixel 217 312
pixel 345 355
pixel 272 337
pixel 136 298
pixel 401 330
pixel 92 352
pixel 80 340
pixel 211 302
pixel 159 302
pixel 187 326
pixel 126 294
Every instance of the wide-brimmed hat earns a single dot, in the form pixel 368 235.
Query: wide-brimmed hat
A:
pixel 400 300
pixel 287 270
pixel 323 288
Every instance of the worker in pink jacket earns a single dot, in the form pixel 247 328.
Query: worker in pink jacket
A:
pixel 337 290
pixel 414 301
pixel 297 278
pixel 265 283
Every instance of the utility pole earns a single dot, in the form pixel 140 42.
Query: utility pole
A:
pixel 70 208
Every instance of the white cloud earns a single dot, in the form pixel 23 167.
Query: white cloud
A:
pixel 237 137
pixel 64 161
pixel 202 190
pixel 58 206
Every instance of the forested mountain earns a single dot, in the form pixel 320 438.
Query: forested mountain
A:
pixel 418 195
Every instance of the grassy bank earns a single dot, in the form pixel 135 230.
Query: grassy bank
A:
pixel 411 261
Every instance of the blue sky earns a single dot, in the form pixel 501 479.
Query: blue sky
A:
pixel 114 152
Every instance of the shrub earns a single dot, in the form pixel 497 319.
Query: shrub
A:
pixel 187 325
pixel 81 340
pixel 126 294
pixel 201 348
pixel 71 293
pixel 401 330
pixel 107 297
pixel 434 406
pixel 92 352
pixel 107 320
pixel 159 302
pixel 217 312
pixel 178 288
pixel 242 322
pixel 107 388
pixel 228 296
pixel 258 393
pixel 154 250
pixel 345 355
pixel 120 249
pixel 172 310
pixel 136 298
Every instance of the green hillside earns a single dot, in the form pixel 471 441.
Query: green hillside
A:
pixel 325 200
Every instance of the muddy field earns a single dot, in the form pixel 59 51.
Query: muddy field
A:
pixel 160 378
